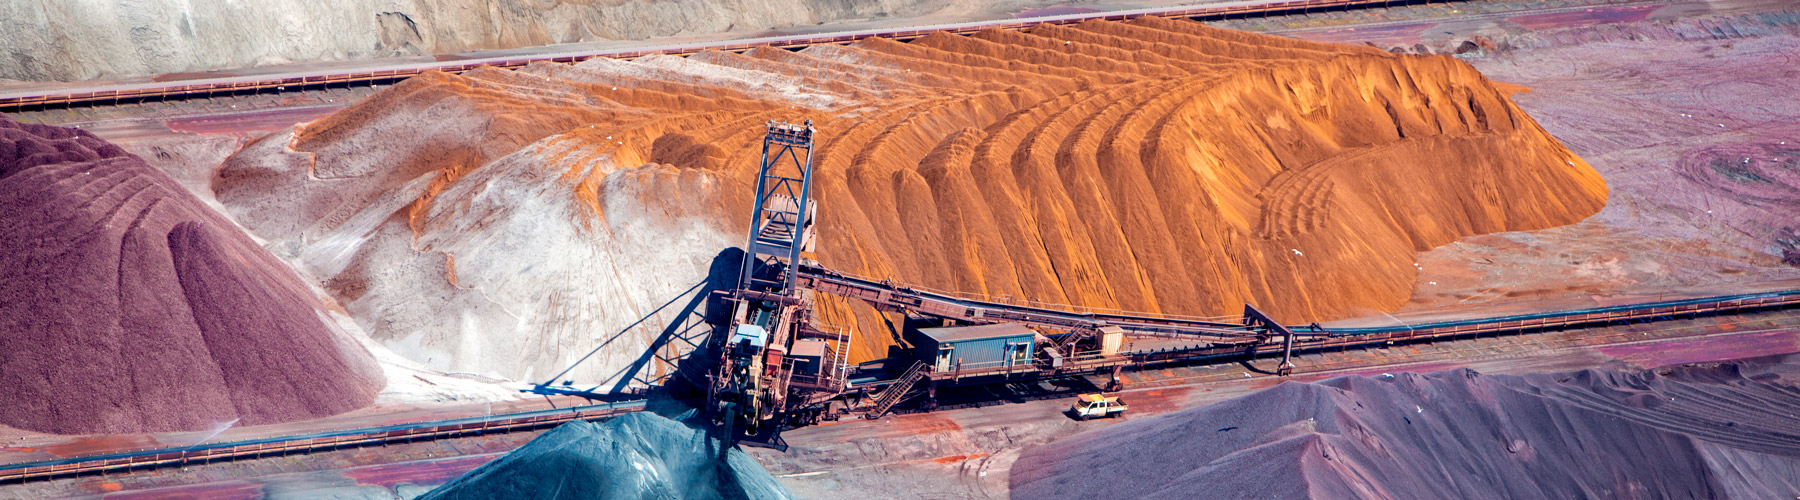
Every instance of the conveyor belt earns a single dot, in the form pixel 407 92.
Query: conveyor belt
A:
pixel 890 296
pixel 887 295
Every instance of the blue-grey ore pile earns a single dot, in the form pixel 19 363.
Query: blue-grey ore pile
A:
pixel 635 456
pixel 1704 432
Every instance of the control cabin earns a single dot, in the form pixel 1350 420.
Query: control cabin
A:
pixel 980 347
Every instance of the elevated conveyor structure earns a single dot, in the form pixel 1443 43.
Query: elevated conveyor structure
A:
pixel 1256 334
pixel 889 296
pixel 772 362
pixel 1333 339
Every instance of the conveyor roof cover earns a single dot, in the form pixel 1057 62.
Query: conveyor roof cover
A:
pixel 963 333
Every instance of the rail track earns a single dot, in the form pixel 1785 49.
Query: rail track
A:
pixel 1341 338
pixel 308 443
pixel 295 82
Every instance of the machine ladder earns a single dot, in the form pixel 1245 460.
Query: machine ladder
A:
pixel 897 391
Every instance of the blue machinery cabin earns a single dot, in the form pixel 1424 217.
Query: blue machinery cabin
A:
pixel 975 348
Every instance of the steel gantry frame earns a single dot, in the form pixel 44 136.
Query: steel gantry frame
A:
pixel 781 223
pixel 773 361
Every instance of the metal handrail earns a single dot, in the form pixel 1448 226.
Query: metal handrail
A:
pixel 1223 321
pixel 280 82
pixel 327 439
pixel 1594 314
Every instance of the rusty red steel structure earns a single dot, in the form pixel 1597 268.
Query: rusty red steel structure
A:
pixel 282 83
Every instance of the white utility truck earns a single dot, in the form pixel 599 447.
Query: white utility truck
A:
pixel 1095 406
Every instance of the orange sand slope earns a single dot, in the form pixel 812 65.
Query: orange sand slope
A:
pixel 1149 165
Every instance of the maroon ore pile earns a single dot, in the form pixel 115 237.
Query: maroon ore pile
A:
pixel 1687 433
pixel 127 305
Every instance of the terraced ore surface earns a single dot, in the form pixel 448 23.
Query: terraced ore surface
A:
pixel 1708 432
pixel 127 305
pixel 495 221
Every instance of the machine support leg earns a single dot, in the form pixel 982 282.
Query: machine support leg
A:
pixel 1287 354
pixel 1255 318
pixel 1116 383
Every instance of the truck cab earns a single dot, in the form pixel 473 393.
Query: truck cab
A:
pixel 1095 406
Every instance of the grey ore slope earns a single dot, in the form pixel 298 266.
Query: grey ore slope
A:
pixel 1700 432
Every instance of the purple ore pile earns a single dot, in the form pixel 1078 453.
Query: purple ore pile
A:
pixel 1704 432
pixel 127 305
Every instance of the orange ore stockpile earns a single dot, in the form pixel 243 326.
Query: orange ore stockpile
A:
pixel 1149 165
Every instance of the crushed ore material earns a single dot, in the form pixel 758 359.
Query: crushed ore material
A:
pixel 1708 432
pixel 490 221
pixel 127 305
pixel 638 455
